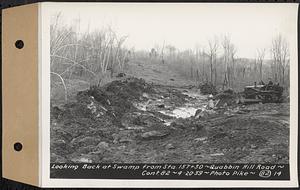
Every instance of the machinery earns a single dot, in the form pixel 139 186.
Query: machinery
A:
pixel 265 93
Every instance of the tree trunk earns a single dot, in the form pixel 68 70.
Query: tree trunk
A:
pixel 203 69
pixel 216 76
pixel 260 71
pixel 283 76
pixel 228 76
pixel 211 70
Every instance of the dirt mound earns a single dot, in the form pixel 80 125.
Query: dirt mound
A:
pixel 116 97
pixel 227 97
pixel 208 88
pixel 130 88
pixel 103 114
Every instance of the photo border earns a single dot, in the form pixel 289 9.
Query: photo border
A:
pixel 46 181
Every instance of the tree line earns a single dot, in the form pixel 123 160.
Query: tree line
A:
pixel 220 65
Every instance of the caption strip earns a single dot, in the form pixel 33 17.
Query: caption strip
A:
pixel 170 171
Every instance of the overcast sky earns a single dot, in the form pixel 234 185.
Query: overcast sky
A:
pixel 251 26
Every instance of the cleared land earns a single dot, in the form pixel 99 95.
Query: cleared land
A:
pixel 159 120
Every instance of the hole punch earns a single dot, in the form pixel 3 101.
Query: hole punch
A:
pixel 19 44
pixel 18 146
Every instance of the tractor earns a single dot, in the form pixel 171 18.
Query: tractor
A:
pixel 262 93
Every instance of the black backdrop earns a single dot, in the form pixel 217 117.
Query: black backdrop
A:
pixel 6 184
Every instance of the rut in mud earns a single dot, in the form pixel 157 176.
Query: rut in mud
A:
pixel 132 121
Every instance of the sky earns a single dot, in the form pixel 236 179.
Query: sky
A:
pixel 250 26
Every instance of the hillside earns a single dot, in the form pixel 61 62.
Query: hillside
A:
pixel 156 72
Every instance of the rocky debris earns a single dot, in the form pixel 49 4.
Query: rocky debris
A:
pixel 83 140
pixel 124 136
pixel 140 121
pixel 184 124
pixel 60 147
pixel 82 159
pixel 205 113
pixel 102 145
pixel 57 159
pixel 217 154
pixel 151 135
pixel 170 146
pixel 179 124
pixel 200 139
pixel 145 95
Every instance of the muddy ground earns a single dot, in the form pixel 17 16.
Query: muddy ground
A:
pixel 131 121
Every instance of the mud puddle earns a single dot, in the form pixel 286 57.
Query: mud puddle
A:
pixel 195 101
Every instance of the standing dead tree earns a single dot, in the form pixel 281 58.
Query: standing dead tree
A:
pixel 108 53
pixel 280 55
pixel 200 59
pixel 260 55
pixel 162 53
pixel 203 60
pixel 170 52
pixel 229 51
pixel 158 52
pixel 212 52
pixel 153 53
pixel 198 63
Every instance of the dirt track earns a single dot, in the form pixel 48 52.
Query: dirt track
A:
pixel 130 121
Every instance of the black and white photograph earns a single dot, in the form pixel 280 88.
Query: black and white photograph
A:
pixel 167 83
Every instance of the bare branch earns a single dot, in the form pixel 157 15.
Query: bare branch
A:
pixel 63 82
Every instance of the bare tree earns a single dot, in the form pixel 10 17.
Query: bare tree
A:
pixel 203 60
pixel 162 53
pixel 229 51
pixel 153 53
pixel 90 53
pixel 280 55
pixel 200 62
pixel 212 52
pixel 260 55
pixel 171 51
